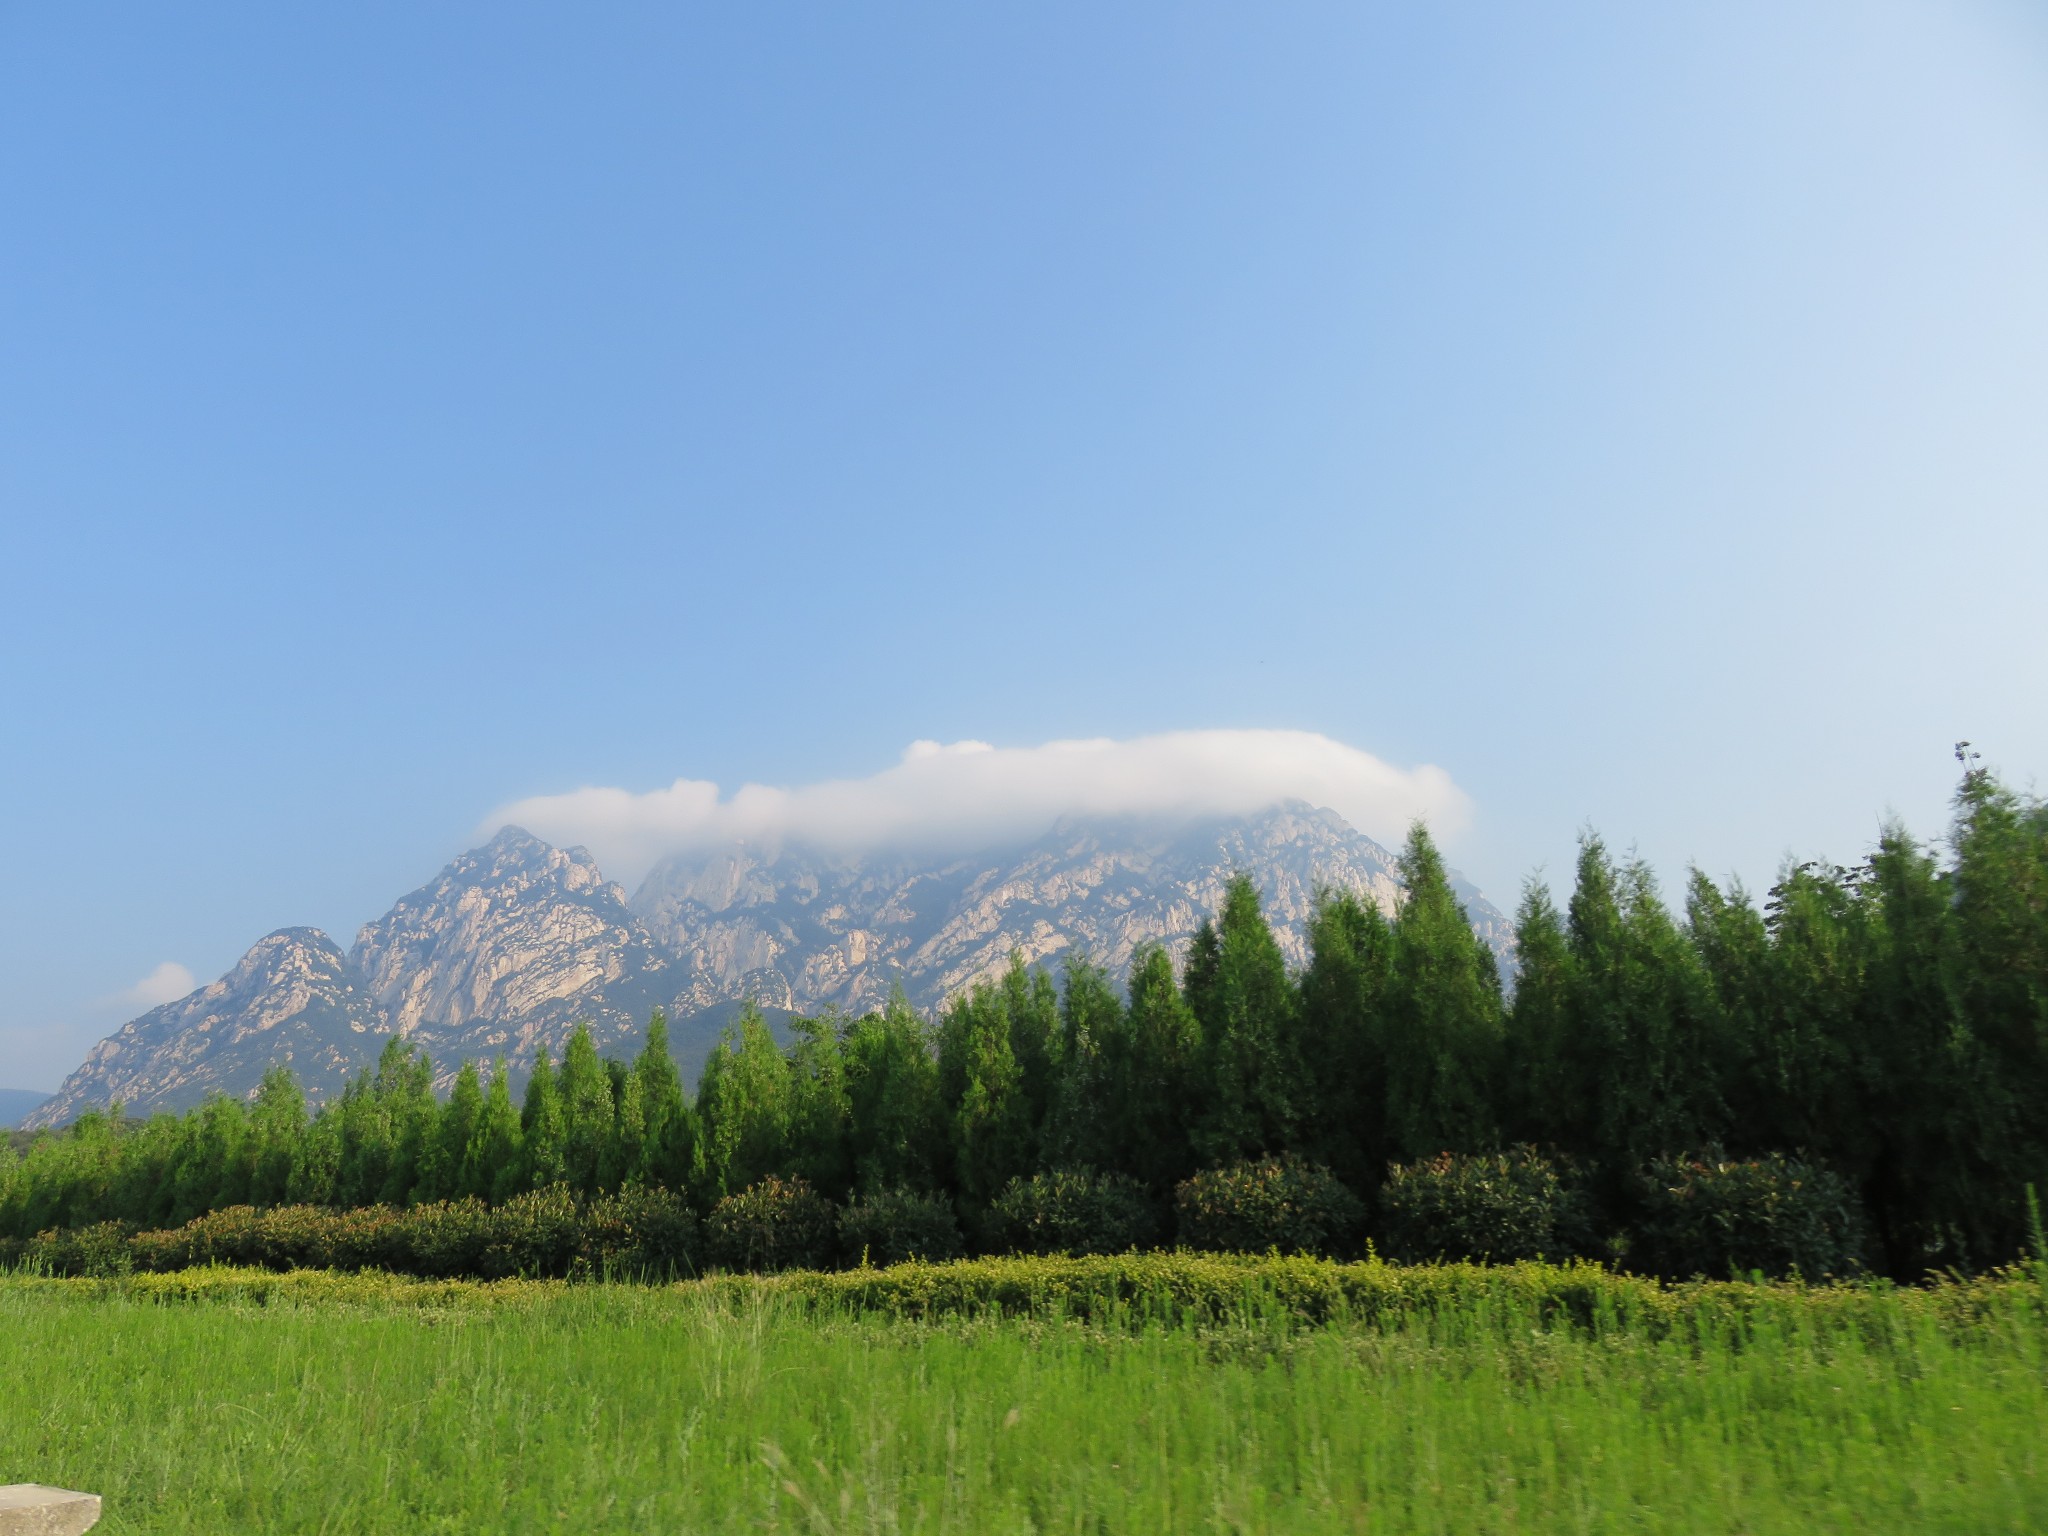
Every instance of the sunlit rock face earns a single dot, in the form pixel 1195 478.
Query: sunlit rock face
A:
pixel 507 949
pixel 514 943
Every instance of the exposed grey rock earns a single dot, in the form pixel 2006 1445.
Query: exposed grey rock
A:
pixel 31 1509
pixel 514 943
pixel 508 948
pixel 292 998
pixel 802 931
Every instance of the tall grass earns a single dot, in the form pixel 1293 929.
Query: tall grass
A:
pixel 357 1404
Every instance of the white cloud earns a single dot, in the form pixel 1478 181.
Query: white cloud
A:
pixel 968 794
pixel 166 984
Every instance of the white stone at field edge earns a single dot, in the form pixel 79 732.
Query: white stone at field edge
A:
pixel 30 1509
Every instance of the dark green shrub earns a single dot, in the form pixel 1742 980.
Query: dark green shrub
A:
pixel 1501 1206
pixel 541 1234
pixel 897 1225
pixel 534 1235
pixel 641 1232
pixel 98 1250
pixel 774 1224
pixel 1707 1215
pixel 1279 1203
pixel 1074 1214
pixel 442 1240
pixel 231 1236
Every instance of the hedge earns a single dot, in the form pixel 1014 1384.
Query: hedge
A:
pixel 546 1233
pixel 1134 1291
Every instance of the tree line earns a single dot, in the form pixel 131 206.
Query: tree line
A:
pixel 1888 1022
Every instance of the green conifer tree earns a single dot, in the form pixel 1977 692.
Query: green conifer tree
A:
pixel 1031 1001
pixel 1803 1076
pixel 820 1113
pixel 1913 1147
pixel 895 1133
pixel 1444 1024
pixel 210 1170
pixel 1541 1092
pixel 494 1161
pixel 316 1160
pixel 1733 946
pixel 1160 1101
pixel 981 1085
pixel 626 1151
pixel 1343 1008
pixel 1643 1012
pixel 543 1132
pixel 405 1086
pixel 1256 1098
pixel 672 1151
pixel 661 1097
pixel 1084 1127
pixel 365 1143
pixel 2000 895
pixel 277 1124
pixel 588 1111
pixel 441 1168
pixel 744 1103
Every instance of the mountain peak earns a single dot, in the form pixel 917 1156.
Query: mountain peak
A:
pixel 516 941
pixel 514 840
pixel 518 933
pixel 291 998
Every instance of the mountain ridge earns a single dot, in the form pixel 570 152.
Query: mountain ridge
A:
pixel 514 942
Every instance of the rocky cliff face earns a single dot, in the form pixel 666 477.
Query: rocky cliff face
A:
pixel 515 942
pixel 291 998
pixel 508 948
pixel 504 951
pixel 797 931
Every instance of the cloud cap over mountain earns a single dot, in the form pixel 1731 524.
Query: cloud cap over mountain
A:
pixel 970 794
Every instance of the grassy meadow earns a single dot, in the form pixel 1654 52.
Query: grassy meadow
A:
pixel 223 1401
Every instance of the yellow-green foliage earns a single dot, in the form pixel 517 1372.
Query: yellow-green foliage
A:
pixel 1183 1287
pixel 1144 1290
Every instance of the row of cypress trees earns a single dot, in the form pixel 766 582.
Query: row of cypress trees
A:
pixel 1889 1020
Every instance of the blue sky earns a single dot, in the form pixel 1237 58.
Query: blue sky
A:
pixel 1635 412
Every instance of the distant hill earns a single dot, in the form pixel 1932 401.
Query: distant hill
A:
pixel 16 1103
pixel 515 942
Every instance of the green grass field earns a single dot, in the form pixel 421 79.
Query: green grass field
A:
pixel 235 1402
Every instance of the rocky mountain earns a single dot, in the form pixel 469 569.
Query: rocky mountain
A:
pixel 804 932
pixel 292 998
pixel 515 942
pixel 507 948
